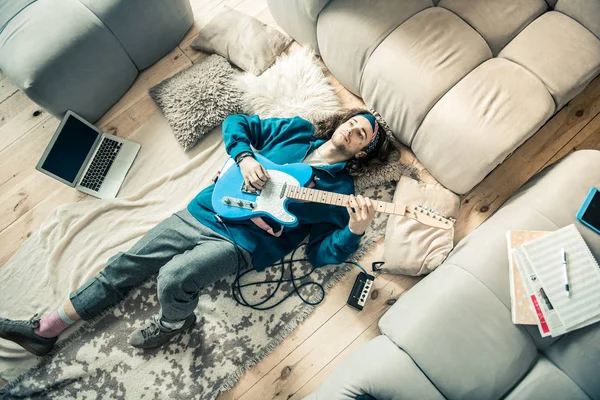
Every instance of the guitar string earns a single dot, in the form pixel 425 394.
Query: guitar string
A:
pixel 280 185
pixel 383 203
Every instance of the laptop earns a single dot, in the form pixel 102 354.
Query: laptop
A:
pixel 83 157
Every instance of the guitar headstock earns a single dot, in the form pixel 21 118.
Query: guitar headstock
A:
pixel 428 216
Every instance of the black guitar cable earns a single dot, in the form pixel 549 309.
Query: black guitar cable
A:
pixel 236 283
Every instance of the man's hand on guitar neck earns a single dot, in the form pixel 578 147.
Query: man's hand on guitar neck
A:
pixel 362 212
pixel 255 175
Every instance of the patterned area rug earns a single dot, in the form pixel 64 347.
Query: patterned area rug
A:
pixel 97 362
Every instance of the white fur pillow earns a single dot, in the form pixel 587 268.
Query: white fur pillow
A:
pixel 294 86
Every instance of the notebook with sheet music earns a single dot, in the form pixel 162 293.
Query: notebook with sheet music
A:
pixel 544 257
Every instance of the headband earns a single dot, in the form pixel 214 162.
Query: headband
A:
pixel 375 127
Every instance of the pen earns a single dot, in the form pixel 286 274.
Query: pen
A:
pixel 564 264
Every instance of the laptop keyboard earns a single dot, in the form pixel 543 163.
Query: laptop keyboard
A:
pixel 101 164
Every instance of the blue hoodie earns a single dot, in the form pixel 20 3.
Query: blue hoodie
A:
pixel 285 140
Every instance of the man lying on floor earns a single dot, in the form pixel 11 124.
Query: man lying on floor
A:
pixel 191 249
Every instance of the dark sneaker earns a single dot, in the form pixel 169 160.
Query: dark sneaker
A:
pixel 154 334
pixel 21 332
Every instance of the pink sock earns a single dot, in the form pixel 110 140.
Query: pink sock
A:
pixel 51 326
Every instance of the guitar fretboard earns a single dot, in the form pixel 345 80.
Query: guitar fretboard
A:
pixel 336 199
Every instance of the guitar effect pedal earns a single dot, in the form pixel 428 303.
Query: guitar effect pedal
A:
pixel 360 291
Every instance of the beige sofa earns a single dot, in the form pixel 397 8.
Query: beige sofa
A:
pixel 451 336
pixel 462 82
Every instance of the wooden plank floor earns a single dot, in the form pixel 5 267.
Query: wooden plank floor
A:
pixel 299 365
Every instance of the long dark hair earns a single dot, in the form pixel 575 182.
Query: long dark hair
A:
pixel 357 166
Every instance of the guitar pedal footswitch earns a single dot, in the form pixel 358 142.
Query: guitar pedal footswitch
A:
pixel 360 291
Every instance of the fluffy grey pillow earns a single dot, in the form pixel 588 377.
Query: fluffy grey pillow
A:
pixel 198 99
pixel 244 40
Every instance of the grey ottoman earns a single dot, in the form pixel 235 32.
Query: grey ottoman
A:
pixel 83 55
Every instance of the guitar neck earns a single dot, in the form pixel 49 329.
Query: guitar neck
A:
pixel 336 199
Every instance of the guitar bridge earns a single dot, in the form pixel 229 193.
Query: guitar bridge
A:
pixel 249 190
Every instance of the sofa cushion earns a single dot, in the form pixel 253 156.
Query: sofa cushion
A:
pixel 357 25
pixel 498 21
pixel 577 354
pixel 298 18
pixel 486 116
pixel 417 64
pixel 450 321
pixel 586 12
pixel 545 381
pixel 146 29
pixel 560 51
pixel 49 61
pixel 378 368
pixel 430 321
pixel 8 9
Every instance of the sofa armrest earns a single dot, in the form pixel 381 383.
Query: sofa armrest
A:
pixel 380 369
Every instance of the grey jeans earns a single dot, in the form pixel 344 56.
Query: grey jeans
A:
pixel 186 255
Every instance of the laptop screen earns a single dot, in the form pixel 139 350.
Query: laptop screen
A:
pixel 70 149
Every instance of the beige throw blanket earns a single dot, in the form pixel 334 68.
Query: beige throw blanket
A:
pixel 75 241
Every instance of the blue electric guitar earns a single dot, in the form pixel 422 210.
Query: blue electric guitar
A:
pixel 232 200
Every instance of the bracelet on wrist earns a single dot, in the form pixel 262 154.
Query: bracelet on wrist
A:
pixel 241 156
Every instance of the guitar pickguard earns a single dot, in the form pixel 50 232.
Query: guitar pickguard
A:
pixel 270 199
